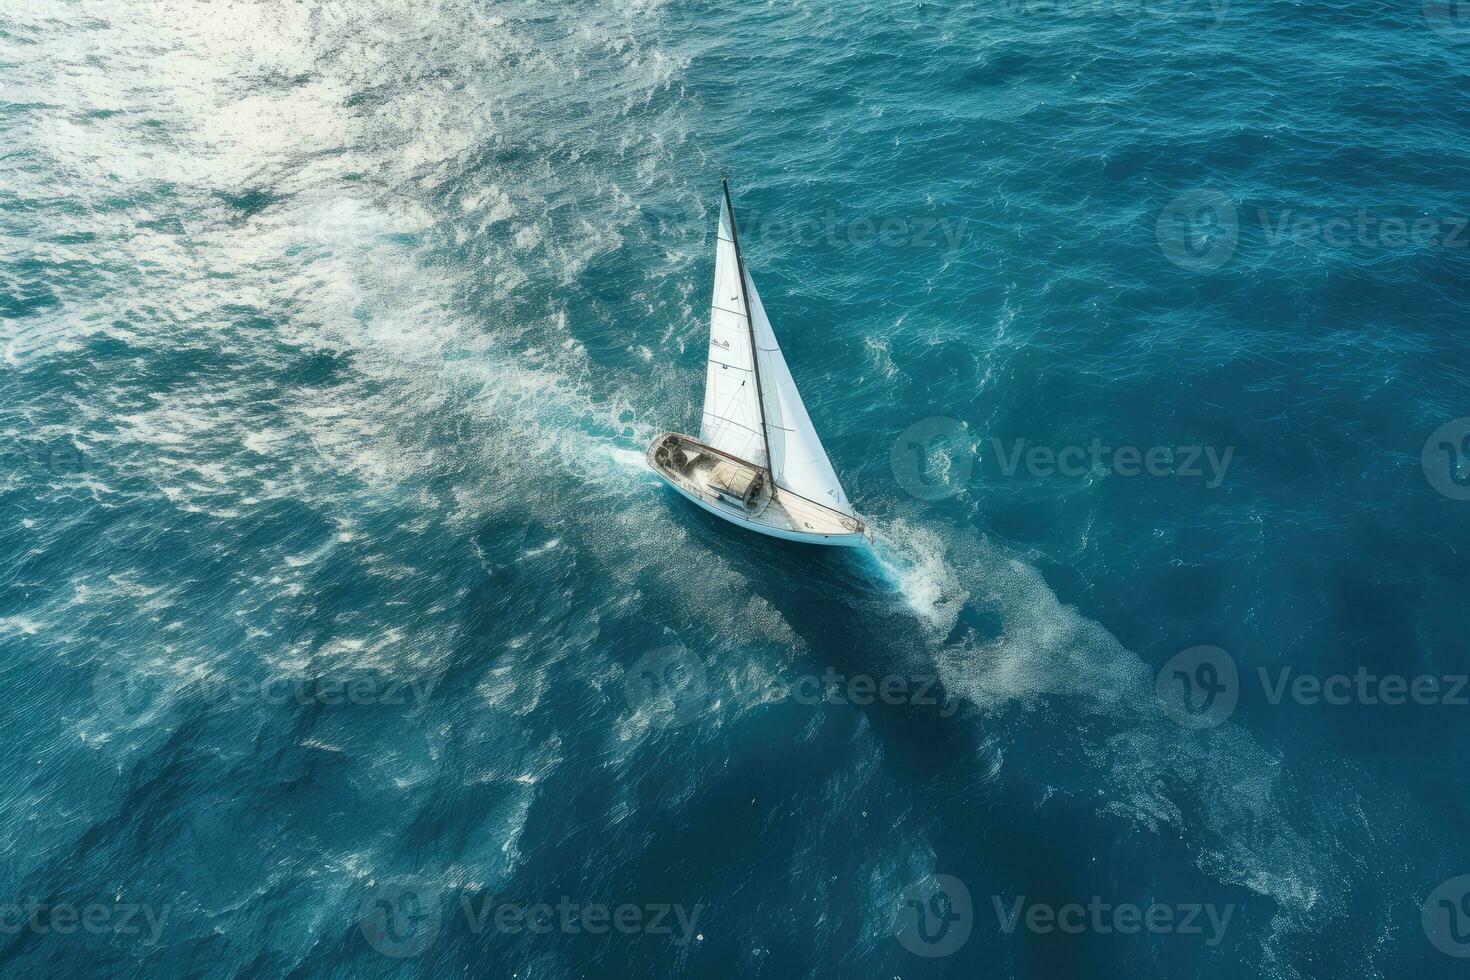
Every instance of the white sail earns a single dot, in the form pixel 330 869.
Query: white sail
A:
pixel 732 418
pixel 798 461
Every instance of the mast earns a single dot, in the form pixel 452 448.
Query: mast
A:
pixel 755 365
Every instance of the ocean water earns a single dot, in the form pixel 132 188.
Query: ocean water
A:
pixel 342 626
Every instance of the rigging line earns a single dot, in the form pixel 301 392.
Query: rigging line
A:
pixel 729 421
pixel 721 416
pixel 760 398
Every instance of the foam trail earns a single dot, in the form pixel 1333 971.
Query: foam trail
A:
pixel 911 559
pixel 1219 786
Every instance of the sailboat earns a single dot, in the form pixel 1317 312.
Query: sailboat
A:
pixel 757 461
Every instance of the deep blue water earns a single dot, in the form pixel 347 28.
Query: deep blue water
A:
pixel 337 606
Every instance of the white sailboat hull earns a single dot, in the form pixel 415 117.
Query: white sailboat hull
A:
pixel 780 515
pixel 757 461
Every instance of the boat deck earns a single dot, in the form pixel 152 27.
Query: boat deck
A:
pixel 785 511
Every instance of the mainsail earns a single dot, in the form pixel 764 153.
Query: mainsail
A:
pixel 746 412
pixel 732 404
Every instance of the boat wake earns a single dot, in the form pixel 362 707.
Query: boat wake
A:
pixel 1003 642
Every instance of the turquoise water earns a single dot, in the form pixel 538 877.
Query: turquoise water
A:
pixel 338 607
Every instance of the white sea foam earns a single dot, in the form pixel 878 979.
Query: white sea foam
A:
pixel 913 558
pixel 287 251
pixel 1150 766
